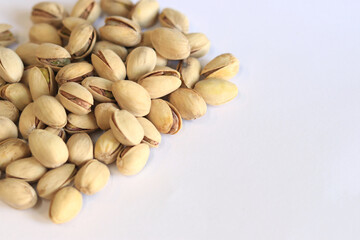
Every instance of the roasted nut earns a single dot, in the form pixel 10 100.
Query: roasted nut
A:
pixel 8 129
pixel 28 121
pixel 140 61
pixel 199 44
pixel 27 53
pixel 152 137
pixel 17 93
pixel 75 98
pixel 6 37
pixel 132 160
pixel 69 24
pixel 172 18
pixel 8 109
pixel 224 66
pixel 53 56
pixel 82 41
pixel 11 66
pixel 116 7
pixel 100 88
pixel 12 149
pixel 74 72
pixel 108 65
pixel 17 193
pixel 119 50
pixel 103 113
pixel 41 82
pixel 80 148
pixel 44 33
pixel 48 12
pixel 145 13
pixel 60 132
pixel 189 69
pixel 216 91
pixel 50 111
pixel 81 123
pixel 107 148
pixel 27 169
pixel 87 9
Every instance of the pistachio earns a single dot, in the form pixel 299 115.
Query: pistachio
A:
pixel 80 148
pixel 86 9
pixel 100 88
pixel 8 109
pixel 82 41
pixel 69 24
pixel 41 82
pixel 140 61
pixel 146 39
pixel 116 7
pixel 12 149
pixel 121 31
pixel 216 91
pixel 170 43
pixel 44 33
pixel 26 52
pixel 28 121
pixel 17 193
pixel 107 148
pixel 161 61
pixel 74 72
pixel 145 13
pixel 2 82
pixel 75 98
pixel 199 43
pixel 60 132
pixel 17 93
pixel 8 129
pixel 103 113
pixel 165 117
pixel 53 56
pixel 92 177
pixel 108 65
pixel 65 205
pixel 11 66
pixel 126 128
pixel 189 69
pixel 119 50
pixel 172 18
pixel 55 179
pixel 81 123
pixel 152 137
pixel 132 160
pixel 27 169
pixel 49 110
pixel 48 12
pixel 224 66
pixel 6 37
pixel 132 97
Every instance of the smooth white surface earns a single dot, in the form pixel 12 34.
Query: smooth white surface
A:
pixel 280 162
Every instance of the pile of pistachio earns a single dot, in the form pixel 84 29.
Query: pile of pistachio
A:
pixel 70 80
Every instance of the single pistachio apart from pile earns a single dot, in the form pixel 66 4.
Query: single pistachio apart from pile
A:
pixel 27 169
pixel 12 149
pixel 140 61
pixel 74 72
pixel 68 24
pixel 100 88
pixel 224 66
pixel 81 123
pixel 11 67
pixel 172 18
pixel 48 12
pixel 28 121
pixel 199 44
pixel 9 110
pixel 60 132
pixel 6 36
pixel 103 113
pixel 17 193
pixel 75 98
pixel 116 7
pixel 152 136
pixel 82 41
pixel 145 13
pixel 41 82
pixel 8 129
pixel 131 160
pixel 44 33
pixel 119 50
pixel 50 111
pixel 17 93
pixel 107 147
pixel 108 65
pixel 80 148
pixel 189 70
pixel 86 9
pixel 26 52
pixel 53 56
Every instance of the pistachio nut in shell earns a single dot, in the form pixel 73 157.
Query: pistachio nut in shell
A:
pixel 92 177
pixel 165 117
pixel 81 123
pixel 27 169
pixel 74 72
pixel 49 149
pixel 161 61
pixel 172 18
pixel 126 128
pixel 189 69
pixel 75 98
pixel 152 136
pixel 11 66
pixel 68 24
pixel 82 41
pixel 12 149
pixel 50 111
pixel 108 65
pixel 160 86
pixel 55 179
pixel 42 82
pixel 17 93
pixel 17 193
pixel 28 121
pixel 48 12
pixel 52 55
pixel 224 66
pixel 80 148
pixel 8 129
pixel 44 33
pixel 116 7
pixel 146 39
pixel 141 60
pixel 65 205
pixel 119 50
pixel 27 53
pixel 199 43
pixel 8 109
pixel 100 88
pixel 25 79
pixel 216 91
pixel 87 9
pixel 103 113
pixel 60 132
pixel 107 148
pixel 170 43
pixel 132 97
pixel 6 36
pixel 145 13
pixel 132 160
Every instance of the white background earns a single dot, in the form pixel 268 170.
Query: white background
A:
pixel 280 162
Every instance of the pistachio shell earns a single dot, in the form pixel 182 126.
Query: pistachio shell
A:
pixel 17 93
pixel 80 148
pixel 146 39
pixel 132 160
pixel 17 193
pixel 216 91
pixel 11 66
pixel 103 113
pixel 74 72
pixel 119 50
pixel 69 24
pixel 172 18
pixel 82 41
pixel 12 149
pixel 81 123
pixel 60 132
pixel 100 88
pixel 8 129
pixel 41 82
pixel 75 98
pixel 189 69
pixel 28 121
pixel 27 169
pixel 140 61
pixel 6 36
pixel 116 7
pixel 109 65
pixel 49 110
pixel 26 52
pixel 152 136
pixel 224 66
pixel 86 9
pixel 160 86
pixel 199 43
pixel 44 33
pixel 53 56
pixel 107 148
pixel 48 12
pixel 9 110
pixel 161 61
pixel 145 13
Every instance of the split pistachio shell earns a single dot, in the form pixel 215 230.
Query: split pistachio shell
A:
pixel 11 66
pixel 224 66
pixel 48 12
pixel 107 148
pixel 199 43
pixel 26 52
pixel 109 65
pixel 17 93
pixel 50 111
pixel 80 148
pixel 12 149
pixel 132 97
pixel 172 18
pixel 27 169
pixel 17 193
pixel 132 160
pixel 69 24
pixel 119 50
pixel 100 88
pixel 189 69
pixel 9 110
pixel 81 123
pixel 44 33
pixel 76 98
pixel 6 37
pixel 41 82
pixel 170 43
pixel 53 56
pixel 160 85
pixel 126 128
pixel 74 72
pixel 55 179
pixel 145 13
pixel 28 121
pixel 82 41
pixel 116 7
pixel 86 9
pixel 60 132
pixel 216 91
pixel 103 113
pixel 122 31
pixel 92 177
pixel 140 61
pixel 8 129
pixel 152 136
pixel 165 117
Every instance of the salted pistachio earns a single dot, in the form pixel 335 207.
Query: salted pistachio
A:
pixel 161 61
pixel 12 149
pixel 189 70
pixel 17 93
pixel 65 205
pixel 74 72
pixel 26 52
pixel 122 31
pixel 27 169
pixel 92 177
pixel 49 149
pixel 8 129
pixel 103 113
pixel 60 132
pixel 11 66
pixel 100 88
pixel 53 56
pixel 75 98
pixel 152 136
pixel 48 12
pixel 165 117
pixel 87 9
pixel 224 66
pixel 140 61
pixel 50 111
pixel 170 43
pixel 172 18
pixel 119 50
pixel 17 193
pixel 199 43
pixel 80 148
pixel 145 13
pixel 81 123
pixel 28 121
pixel 107 148
pixel 126 128
pixel 116 7
pixel 44 33
pixel 132 160
pixel 132 97
pixel 108 65
pixel 55 179
pixel 68 24
pixel 82 41
pixel 216 91
pixel 6 36
pixel 9 110
pixel 42 82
